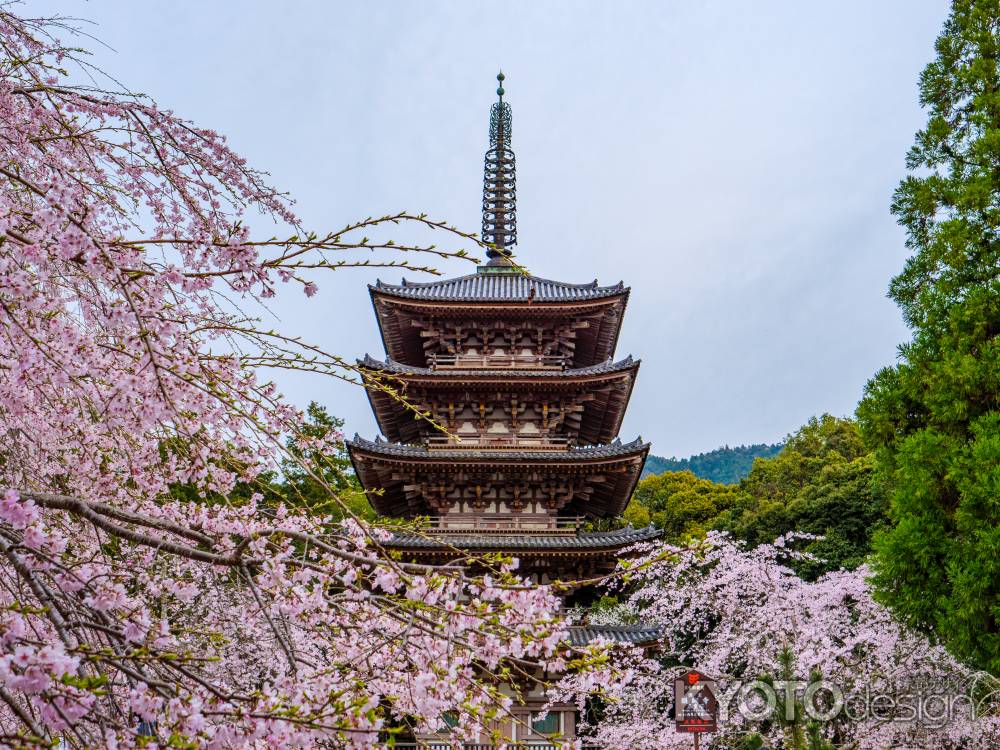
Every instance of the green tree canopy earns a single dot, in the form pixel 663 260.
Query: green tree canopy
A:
pixel 330 488
pixel 933 417
pixel 821 483
pixel 679 503
pixel 334 490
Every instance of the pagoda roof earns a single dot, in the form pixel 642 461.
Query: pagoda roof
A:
pixel 599 423
pixel 398 368
pixel 390 471
pixel 495 296
pixel 525 541
pixel 498 287
pixel 635 635
pixel 615 449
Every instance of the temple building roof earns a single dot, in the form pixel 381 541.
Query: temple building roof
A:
pixel 635 635
pixel 398 368
pixel 498 287
pixel 404 480
pixel 608 387
pixel 541 542
pixel 588 315
pixel 570 455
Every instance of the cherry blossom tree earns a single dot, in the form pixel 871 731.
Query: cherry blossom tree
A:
pixel 131 361
pixel 798 664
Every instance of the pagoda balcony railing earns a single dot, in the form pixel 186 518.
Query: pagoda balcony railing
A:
pixel 466 522
pixel 498 361
pixel 487 443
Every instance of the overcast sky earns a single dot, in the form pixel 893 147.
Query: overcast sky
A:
pixel 732 162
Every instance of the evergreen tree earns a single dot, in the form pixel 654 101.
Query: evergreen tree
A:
pixel 678 502
pixel 822 483
pixel 329 486
pixel 933 418
pixel 316 473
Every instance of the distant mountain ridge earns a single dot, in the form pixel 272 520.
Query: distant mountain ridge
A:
pixel 724 465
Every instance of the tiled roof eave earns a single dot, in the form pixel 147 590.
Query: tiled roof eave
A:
pixel 389 451
pixel 392 367
pixel 633 635
pixel 514 287
pixel 571 544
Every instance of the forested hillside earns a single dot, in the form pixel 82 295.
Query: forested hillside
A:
pixel 723 465
pixel 820 483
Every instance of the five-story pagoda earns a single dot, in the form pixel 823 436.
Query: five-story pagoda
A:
pixel 524 399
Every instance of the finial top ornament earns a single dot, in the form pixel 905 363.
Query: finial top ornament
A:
pixel 499 199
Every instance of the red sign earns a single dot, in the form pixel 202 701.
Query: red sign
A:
pixel 696 709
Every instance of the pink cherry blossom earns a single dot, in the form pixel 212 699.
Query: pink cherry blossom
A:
pixel 740 615
pixel 133 360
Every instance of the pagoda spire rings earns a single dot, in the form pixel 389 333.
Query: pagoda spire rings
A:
pixel 499 185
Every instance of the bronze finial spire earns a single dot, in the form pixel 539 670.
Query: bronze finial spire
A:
pixel 499 196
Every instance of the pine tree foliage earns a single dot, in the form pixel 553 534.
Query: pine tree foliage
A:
pixel 934 417
pixel 317 474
